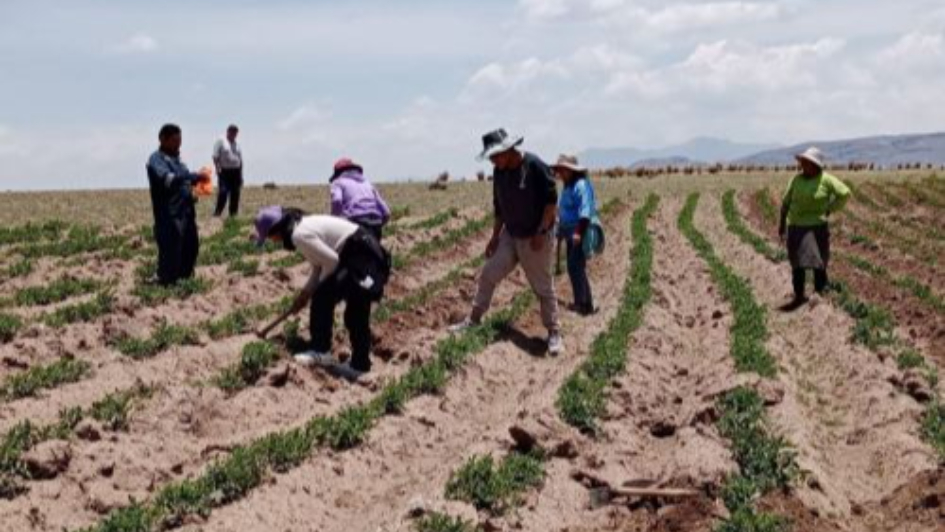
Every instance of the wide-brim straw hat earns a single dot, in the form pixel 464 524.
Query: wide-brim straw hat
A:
pixel 813 155
pixel 498 141
pixel 571 163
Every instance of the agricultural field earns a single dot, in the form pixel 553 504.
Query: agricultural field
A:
pixel 690 401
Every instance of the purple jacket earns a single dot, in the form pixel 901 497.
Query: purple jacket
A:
pixel 353 198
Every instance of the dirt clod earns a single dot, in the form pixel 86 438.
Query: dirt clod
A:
pixel 88 430
pixel 48 459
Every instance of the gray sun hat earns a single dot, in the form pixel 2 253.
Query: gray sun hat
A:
pixel 570 162
pixel 813 155
pixel 498 141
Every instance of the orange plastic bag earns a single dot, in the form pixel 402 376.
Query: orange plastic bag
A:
pixel 204 185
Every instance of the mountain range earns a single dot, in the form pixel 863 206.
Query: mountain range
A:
pixel 885 150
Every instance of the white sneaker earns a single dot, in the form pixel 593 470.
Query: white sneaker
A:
pixel 310 359
pixel 555 344
pixel 457 328
pixel 346 372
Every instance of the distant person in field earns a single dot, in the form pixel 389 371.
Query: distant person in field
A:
pixel 579 227
pixel 811 197
pixel 348 264
pixel 525 206
pixel 354 198
pixel 228 158
pixel 173 201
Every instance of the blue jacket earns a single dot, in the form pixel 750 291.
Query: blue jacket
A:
pixel 170 182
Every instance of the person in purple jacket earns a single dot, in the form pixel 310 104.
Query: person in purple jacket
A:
pixel 355 199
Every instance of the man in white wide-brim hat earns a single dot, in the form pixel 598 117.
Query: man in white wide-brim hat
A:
pixel 525 202
pixel 811 197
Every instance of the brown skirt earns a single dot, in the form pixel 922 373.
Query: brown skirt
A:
pixel 809 247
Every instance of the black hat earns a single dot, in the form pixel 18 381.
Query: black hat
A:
pixel 498 141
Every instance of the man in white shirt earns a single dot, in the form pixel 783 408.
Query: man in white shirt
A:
pixel 228 158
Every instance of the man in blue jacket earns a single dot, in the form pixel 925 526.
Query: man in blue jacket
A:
pixel 172 199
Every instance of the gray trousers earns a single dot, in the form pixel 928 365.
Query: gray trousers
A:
pixel 538 270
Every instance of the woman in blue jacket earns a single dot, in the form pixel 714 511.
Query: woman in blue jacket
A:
pixel 578 224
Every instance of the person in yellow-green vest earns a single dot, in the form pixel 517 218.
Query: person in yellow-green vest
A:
pixel 811 197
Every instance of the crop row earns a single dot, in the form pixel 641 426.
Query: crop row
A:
pixel 736 226
pixel 582 398
pixel 766 462
pixel 442 242
pixel 112 412
pixel 432 222
pixel 32 232
pixel 232 478
pixel 749 330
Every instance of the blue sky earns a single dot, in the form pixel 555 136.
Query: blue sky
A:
pixel 408 87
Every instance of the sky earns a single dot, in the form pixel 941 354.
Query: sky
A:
pixel 409 87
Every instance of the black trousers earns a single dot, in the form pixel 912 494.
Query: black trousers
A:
pixel 357 320
pixel 373 228
pixel 799 278
pixel 178 246
pixel 230 186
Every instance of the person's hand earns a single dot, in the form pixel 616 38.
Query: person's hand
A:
pixel 576 239
pixel 492 246
pixel 538 242
pixel 205 173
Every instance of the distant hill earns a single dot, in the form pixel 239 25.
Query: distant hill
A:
pixel 696 151
pixel 887 150
pixel 664 162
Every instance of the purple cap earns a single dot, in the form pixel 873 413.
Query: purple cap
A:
pixel 266 218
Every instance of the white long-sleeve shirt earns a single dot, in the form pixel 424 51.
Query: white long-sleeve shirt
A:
pixel 320 240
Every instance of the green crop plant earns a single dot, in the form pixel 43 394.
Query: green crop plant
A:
pixel 581 399
pixel 9 326
pixel 766 463
pixel 114 409
pixel 24 436
pixel 933 427
pixel 20 268
pixel 442 242
pixel 496 487
pixel 80 240
pixel 153 294
pixel 420 296
pixel 239 321
pixel 246 268
pixel 736 226
pixel 749 330
pixel 28 383
pixel 398 212
pixel 32 232
pixel 439 522
pixel 161 339
pixel 245 468
pixel 56 291
pixel 254 360
pixel 769 212
pixel 293 259
pixel 873 326
pixel 84 312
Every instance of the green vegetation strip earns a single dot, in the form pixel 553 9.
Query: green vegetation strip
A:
pixel 9 326
pixel 432 222
pixel 769 212
pixel 84 312
pixel 439 522
pixel 233 477
pixel 749 330
pixel 28 383
pixel 254 361
pixel 164 337
pixel 80 240
pixel 442 242
pixel 112 412
pixel 32 232
pixel 766 463
pixel 736 226
pixel 56 291
pixel 151 293
pixel 20 268
pixel 496 487
pixel 582 398
pixel 918 289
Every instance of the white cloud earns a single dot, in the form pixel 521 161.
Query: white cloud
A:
pixel 914 49
pixel 140 43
